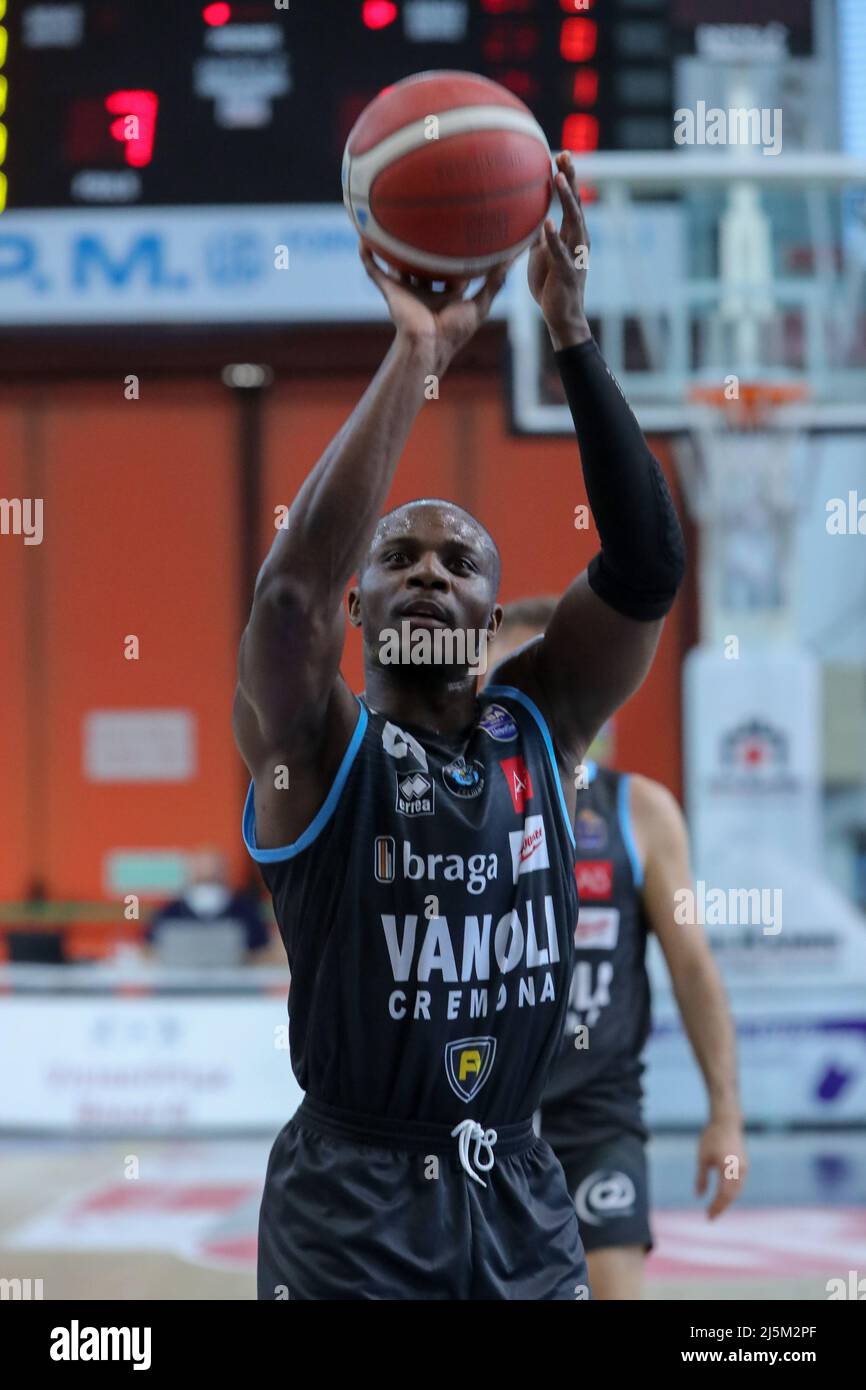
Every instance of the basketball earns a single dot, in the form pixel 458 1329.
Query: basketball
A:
pixel 447 174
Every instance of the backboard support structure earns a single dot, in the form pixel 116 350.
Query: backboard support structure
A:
pixel 709 269
pixel 727 292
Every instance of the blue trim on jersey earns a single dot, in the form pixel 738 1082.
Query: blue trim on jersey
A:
pixel 512 693
pixel 591 769
pixel 625 825
pixel 323 815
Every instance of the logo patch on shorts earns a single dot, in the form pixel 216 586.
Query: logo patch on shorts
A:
pixel 604 1194
pixel 464 778
pixel 416 794
pixel 498 723
pixel 468 1063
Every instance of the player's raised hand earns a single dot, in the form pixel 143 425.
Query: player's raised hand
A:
pixel 557 263
pixel 442 318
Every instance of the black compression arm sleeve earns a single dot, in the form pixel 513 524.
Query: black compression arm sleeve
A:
pixel 642 558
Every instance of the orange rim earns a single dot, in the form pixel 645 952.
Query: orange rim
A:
pixel 757 399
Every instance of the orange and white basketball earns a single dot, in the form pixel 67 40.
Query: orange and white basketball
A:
pixel 447 174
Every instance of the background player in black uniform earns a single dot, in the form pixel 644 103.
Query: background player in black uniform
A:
pixel 418 841
pixel 632 856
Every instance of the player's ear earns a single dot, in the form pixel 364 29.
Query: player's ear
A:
pixel 353 606
pixel 495 620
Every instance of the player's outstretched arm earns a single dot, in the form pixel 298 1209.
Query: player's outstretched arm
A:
pixel 602 637
pixel 292 709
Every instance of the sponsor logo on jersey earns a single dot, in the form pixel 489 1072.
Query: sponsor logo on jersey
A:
pixel 464 778
pixel 476 871
pixel 604 1194
pixel 529 847
pixel 384 858
pixel 462 955
pixel 473 967
pixel 468 1063
pixel 498 723
pixel 416 793
pixel 590 831
pixel 517 776
pixel 594 878
pixel 597 928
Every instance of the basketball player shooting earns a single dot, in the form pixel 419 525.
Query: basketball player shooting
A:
pixel 417 840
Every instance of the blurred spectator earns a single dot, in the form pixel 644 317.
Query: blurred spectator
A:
pixel 35 941
pixel 210 904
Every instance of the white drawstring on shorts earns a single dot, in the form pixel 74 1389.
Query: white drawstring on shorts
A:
pixel 466 1132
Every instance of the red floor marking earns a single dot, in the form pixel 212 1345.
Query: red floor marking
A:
pixel 214 1224
pixel 165 1196
pixel 764 1242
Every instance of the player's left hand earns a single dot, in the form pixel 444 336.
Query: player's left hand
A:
pixel 722 1147
pixel 443 319
pixel 557 263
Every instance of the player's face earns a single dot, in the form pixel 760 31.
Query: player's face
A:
pixel 430 569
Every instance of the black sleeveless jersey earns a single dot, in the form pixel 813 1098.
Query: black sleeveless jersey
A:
pixel 595 1087
pixel 428 915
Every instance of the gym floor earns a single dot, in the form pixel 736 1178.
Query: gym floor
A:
pixel 177 1220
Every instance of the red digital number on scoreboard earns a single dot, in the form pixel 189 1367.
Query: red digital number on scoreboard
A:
pixel 135 126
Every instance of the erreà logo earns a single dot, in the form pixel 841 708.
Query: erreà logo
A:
pixel 468 1063
pixel 415 794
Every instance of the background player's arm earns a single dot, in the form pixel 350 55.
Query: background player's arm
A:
pixel 662 839
pixel 291 707
pixel 601 639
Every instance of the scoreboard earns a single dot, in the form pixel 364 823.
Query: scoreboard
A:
pixel 113 103
pixel 155 153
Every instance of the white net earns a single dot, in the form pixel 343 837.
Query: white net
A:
pixel 744 488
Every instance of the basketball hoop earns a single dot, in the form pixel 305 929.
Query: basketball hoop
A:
pixel 754 404
pixel 743 477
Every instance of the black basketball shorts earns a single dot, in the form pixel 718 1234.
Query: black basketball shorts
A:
pixel 397 1215
pixel 609 1187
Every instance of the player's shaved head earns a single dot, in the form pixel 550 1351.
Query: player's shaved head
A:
pixel 401 521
